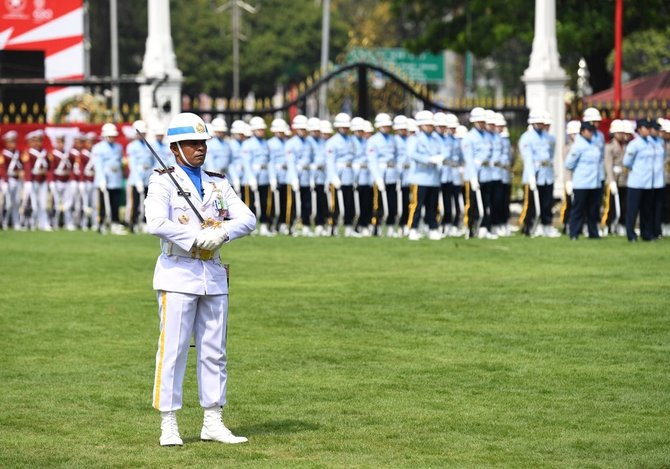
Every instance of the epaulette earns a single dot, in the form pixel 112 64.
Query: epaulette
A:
pixel 216 175
pixel 163 171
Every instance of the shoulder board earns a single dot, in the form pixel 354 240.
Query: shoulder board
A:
pixel 216 175
pixel 163 171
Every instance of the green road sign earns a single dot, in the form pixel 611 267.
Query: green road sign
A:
pixel 424 68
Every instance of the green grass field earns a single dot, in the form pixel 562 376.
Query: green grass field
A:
pixel 347 353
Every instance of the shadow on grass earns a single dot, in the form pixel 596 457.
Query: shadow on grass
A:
pixel 277 426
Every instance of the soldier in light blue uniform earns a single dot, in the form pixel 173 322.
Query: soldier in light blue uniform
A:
pixel 300 152
pixel 451 177
pixel 362 181
pixel 401 126
pixel 441 136
pixel 238 133
pixel 340 174
pixel 640 160
pixel 425 152
pixel 140 164
pixel 318 168
pixel 218 150
pixel 285 174
pixel 504 165
pixel 262 180
pixel 476 148
pixel 382 160
pixel 536 147
pixel 584 184
pixel 496 173
pixel 107 157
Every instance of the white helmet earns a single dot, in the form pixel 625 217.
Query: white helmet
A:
pixel 299 122
pixel 629 127
pixel 367 127
pixel 357 123
pixel 504 133
pixel 237 127
pixel 572 127
pixel 477 114
pixel 313 124
pixel 500 120
pixel 257 123
pixel 665 125
pixel 140 126
pixel 452 121
pixel 591 114
pixel 490 116
pixel 535 117
pixel 383 120
pixel 461 131
pixel 219 125
pixel 342 120
pixel 186 126
pixel 109 130
pixel 247 130
pixel 411 125
pixel 440 119
pixel 158 129
pixel 326 127
pixel 400 122
pixel 11 135
pixel 278 125
pixel 546 118
pixel 616 126
pixel 424 118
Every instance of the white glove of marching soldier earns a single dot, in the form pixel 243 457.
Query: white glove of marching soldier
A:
pixel 253 184
pixel 295 185
pixel 474 184
pixel 336 182
pixel 437 160
pixel 103 185
pixel 532 183
pixel 379 182
pixel 569 189
pixel 273 184
pixel 211 239
pixel 139 187
pixel 613 188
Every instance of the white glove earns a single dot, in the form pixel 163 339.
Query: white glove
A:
pixel 474 184
pixel 295 185
pixel 52 187
pixel 379 182
pixel 273 184
pixel 532 183
pixel 253 184
pixel 336 182
pixel 211 239
pixel 356 166
pixel 437 160
pixel 613 188
pixel 569 189
pixel 103 185
pixel 139 187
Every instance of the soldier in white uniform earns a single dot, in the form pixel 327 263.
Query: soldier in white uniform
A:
pixel 14 167
pixel 190 281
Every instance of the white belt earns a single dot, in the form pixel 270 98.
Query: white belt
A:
pixel 171 249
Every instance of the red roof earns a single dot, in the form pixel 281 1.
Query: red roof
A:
pixel 652 87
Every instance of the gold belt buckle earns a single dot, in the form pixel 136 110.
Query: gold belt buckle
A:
pixel 206 255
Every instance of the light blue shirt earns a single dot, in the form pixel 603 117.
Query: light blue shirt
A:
pixel 382 160
pixel 424 173
pixel 299 151
pixel 284 169
pixel 256 158
pixel 339 158
pixel 107 158
pixel 659 162
pixel 163 150
pixel 317 146
pixel 218 155
pixel 640 158
pixel 402 159
pixel 536 149
pixel 140 162
pixel 506 160
pixel 476 148
pixel 236 166
pixel 583 160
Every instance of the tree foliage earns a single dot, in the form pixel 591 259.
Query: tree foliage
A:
pixel 644 53
pixel 484 27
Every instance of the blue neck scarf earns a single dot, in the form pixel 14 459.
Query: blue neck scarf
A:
pixel 195 176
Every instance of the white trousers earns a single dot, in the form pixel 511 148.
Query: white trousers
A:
pixel 63 200
pixel 13 202
pixel 182 316
pixel 88 196
pixel 37 193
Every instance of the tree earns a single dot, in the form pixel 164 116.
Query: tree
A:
pixel 483 27
pixel 644 53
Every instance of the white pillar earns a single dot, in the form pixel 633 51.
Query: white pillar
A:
pixel 159 62
pixel 545 81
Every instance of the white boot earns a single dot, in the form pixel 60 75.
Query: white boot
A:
pixel 169 430
pixel 263 230
pixel 350 233
pixel 390 232
pixel 318 230
pixel 414 235
pixel 306 231
pixel 434 235
pixel 283 229
pixel 213 428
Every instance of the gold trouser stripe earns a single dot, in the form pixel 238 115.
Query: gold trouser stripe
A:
pixel 564 207
pixel 413 202
pixel 524 210
pixel 333 201
pixel 268 205
pixel 375 204
pixel 606 211
pixel 289 202
pixel 466 208
pixel 161 341
pixel 247 196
